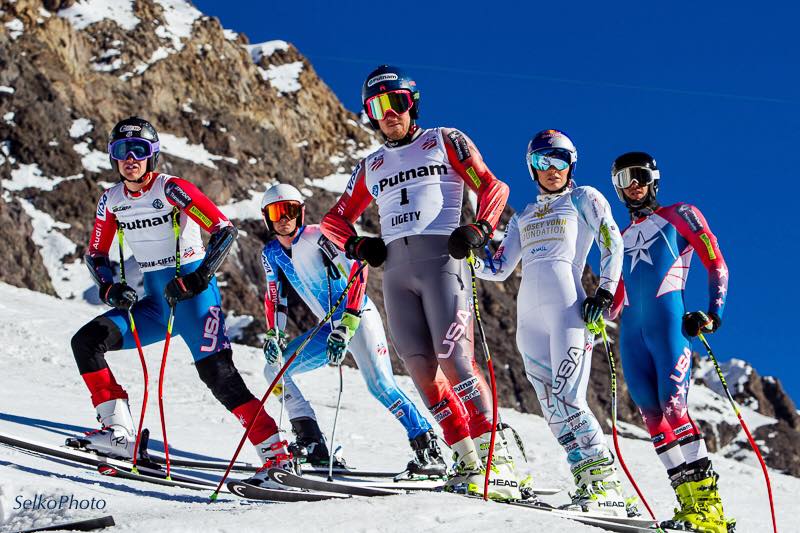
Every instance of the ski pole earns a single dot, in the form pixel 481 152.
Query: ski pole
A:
pixel 135 333
pixel 176 228
pixel 488 354
pixel 335 420
pixel 283 369
pixel 744 427
pixel 599 326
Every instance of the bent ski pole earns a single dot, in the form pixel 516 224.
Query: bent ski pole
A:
pixel 596 327
pixel 135 333
pixel 282 371
pixel 490 456
pixel 744 427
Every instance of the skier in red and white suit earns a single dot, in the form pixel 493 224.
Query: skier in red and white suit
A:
pixel 417 179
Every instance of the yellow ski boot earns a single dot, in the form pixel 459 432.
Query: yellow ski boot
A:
pixel 700 503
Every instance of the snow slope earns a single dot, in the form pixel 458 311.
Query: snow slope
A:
pixel 43 397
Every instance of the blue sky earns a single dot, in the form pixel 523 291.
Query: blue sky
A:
pixel 711 90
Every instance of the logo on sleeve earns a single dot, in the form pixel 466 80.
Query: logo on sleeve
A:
pixel 709 247
pixel 690 216
pixel 352 183
pixel 177 195
pixel 101 206
pixel 460 144
pixel 327 247
pixel 201 216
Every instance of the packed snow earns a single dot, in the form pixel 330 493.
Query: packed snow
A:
pixel 196 153
pixel 44 398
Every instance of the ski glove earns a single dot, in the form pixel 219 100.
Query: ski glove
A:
pixel 274 346
pixel 369 249
pixel 465 238
pixel 119 295
pixel 185 287
pixel 699 322
pixel 340 337
pixel 593 306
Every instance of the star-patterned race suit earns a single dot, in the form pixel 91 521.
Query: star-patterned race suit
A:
pixel 146 220
pixel 419 188
pixel 319 272
pixel 552 238
pixel 655 350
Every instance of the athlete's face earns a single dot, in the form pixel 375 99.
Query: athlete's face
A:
pixel 132 170
pixel 285 229
pixel 552 179
pixel 636 192
pixel 395 126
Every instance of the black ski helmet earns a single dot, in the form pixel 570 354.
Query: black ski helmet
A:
pixel 644 164
pixel 385 79
pixel 135 127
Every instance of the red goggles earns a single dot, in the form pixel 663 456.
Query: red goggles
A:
pixel 278 210
pixel 398 101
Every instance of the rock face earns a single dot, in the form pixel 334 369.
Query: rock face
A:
pixel 233 118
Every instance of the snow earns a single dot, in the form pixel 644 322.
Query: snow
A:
pixel 44 398
pixel 9 118
pixel 6 89
pixel 248 209
pixel 196 153
pixel 336 183
pixel 15 28
pixel 70 280
pixel 80 127
pixel 86 12
pixel 235 325
pixel 257 51
pixel 230 35
pixel 736 371
pixel 180 17
pixel 283 78
pixel 91 159
pixel 31 176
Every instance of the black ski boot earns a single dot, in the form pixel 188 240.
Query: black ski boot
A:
pixel 428 461
pixel 310 447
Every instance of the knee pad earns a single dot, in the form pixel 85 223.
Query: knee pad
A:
pixel 223 380
pixel 92 341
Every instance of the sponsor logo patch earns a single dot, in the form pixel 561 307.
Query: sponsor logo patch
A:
pixel 690 216
pixel 473 176
pixel 158 204
pixel 390 76
pixel 130 127
pixel 709 247
pixel 376 163
pixel 101 207
pixel 460 144
pixel 200 215
pixel 412 173
pixel 177 195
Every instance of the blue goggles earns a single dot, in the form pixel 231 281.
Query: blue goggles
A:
pixel 140 149
pixel 551 157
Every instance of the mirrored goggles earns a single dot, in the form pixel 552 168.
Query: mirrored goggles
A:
pixel 643 176
pixel 398 101
pixel 140 149
pixel 289 209
pixel 552 157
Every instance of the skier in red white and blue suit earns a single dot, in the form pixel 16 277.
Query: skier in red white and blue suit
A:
pixel 656 329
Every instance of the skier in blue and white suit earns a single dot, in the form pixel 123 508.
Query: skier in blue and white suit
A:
pixel 318 271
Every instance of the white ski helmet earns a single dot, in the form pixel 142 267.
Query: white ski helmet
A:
pixel 282 192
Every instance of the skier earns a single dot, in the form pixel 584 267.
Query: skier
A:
pixel 144 209
pixel 656 332
pixel 417 179
pixel 302 257
pixel 552 238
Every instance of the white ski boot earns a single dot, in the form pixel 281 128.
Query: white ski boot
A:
pixel 598 488
pixel 503 482
pixel 117 436
pixel 466 468
pixel 274 454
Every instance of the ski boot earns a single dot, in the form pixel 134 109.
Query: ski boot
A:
pixel 117 436
pixel 428 461
pixel 503 482
pixel 599 489
pixel 466 472
pixel 700 504
pixel 273 454
pixel 310 447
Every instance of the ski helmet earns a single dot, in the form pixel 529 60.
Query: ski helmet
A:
pixel 635 166
pixel 286 199
pixel 547 140
pixel 385 79
pixel 122 142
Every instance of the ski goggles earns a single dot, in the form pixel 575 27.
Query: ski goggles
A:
pixel 140 149
pixel 278 210
pixel 551 157
pixel 398 101
pixel 643 176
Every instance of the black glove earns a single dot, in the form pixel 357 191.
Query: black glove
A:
pixel 699 322
pixel 369 249
pixel 465 238
pixel 119 295
pixel 593 306
pixel 185 287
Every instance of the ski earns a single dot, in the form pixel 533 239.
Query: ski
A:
pixel 78 525
pixel 158 477
pixel 278 475
pixel 252 492
pixel 610 523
